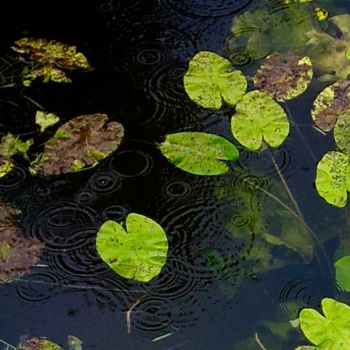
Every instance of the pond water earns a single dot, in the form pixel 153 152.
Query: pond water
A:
pixel 228 282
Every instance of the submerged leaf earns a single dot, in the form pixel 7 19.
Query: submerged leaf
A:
pixel 45 120
pixel 342 272
pixel 17 254
pixel 284 76
pixel 331 331
pixel 259 118
pixel 199 153
pixel 139 252
pixel 330 104
pixel 210 79
pixel 82 141
pixel 51 58
pixel 38 343
pixel 333 178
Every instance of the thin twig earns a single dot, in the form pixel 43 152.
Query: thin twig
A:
pixel 259 342
pixel 128 315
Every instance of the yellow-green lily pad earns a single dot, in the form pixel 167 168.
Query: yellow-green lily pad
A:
pixel 45 119
pixel 341 133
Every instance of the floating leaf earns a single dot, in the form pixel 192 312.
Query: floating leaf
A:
pixel 38 343
pixel 333 178
pixel 331 331
pixel 330 104
pixel 74 343
pixel 45 120
pixel 342 272
pixel 17 254
pixel 347 54
pixel 51 57
pixel 210 79
pixel 259 118
pixel 139 252
pixel 284 76
pixel 342 132
pixel 82 141
pixel 199 153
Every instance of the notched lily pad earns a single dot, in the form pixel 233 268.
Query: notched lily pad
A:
pixel 199 153
pixel 139 252
pixel 284 76
pixel 82 141
pixel 211 79
pixel 45 119
pixel 330 104
pixel 51 58
pixel 328 331
pixel 38 343
pixel 17 254
pixel 333 178
pixel 259 118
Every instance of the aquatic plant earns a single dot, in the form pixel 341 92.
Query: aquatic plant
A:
pixel 45 119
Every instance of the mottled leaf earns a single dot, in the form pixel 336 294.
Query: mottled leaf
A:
pixel 199 153
pixel 82 141
pixel 51 58
pixel 330 331
pixel 284 76
pixel 211 79
pixel 330 104
pixel 38 343
pixel 259 119
pixel 139 252
pixel 333 178
pixel 342 132
pixel 17 254
pixel 45 120
pixel 342 272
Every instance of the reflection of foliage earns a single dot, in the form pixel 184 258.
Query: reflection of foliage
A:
pixel 82 141
pixel 17 254
pixel 138 252
pixel 50 58
pixel 199 153
pixel 284 76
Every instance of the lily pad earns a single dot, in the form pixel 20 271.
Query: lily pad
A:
pixel 259 118
pixel 211 79
pixel 328 331
pixel 51 58
pixel 342 272
pixel 199 153
pixel 342 133
pixel 139 252
pixel 38 343
pixel 17 254
pixel 333 178
pixel 82 141
pixel 284 76
pixel 330 104
pixel 45 120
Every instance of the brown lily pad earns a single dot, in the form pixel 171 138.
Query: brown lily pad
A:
pixel 38 343
pixel 284 76
pixel 82 141
pixel 330 104
pixel 17 254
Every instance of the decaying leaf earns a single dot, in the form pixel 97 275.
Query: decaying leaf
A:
pixel 259 118
pixel 342 132
pixel 284 76
pixel 17 254
pixel 333 178
pixel 10 146
pixel 82 141
pixel 38 343
pixel 330 104
pixel 50 58
pixel 139 252
pixel 45 120
pixel 211 79
pixel 199 153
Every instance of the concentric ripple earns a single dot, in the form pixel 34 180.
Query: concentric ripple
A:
pixel 13 180
pixel 105 182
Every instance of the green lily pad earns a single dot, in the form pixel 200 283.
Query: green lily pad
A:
pixel 82 141
pixel 347 53
pixel 333 178
pixel 211 79
pixel 51 58
pixel 330 104
pixel 284 76
pixel 38 343
pixel 342 272
pixel 139 252
pixel 199 153
pixel 259 118
pixel 328 331
pixel 45 120
pixel 342 133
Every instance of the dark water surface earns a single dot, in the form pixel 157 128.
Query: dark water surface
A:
pixel 215 289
